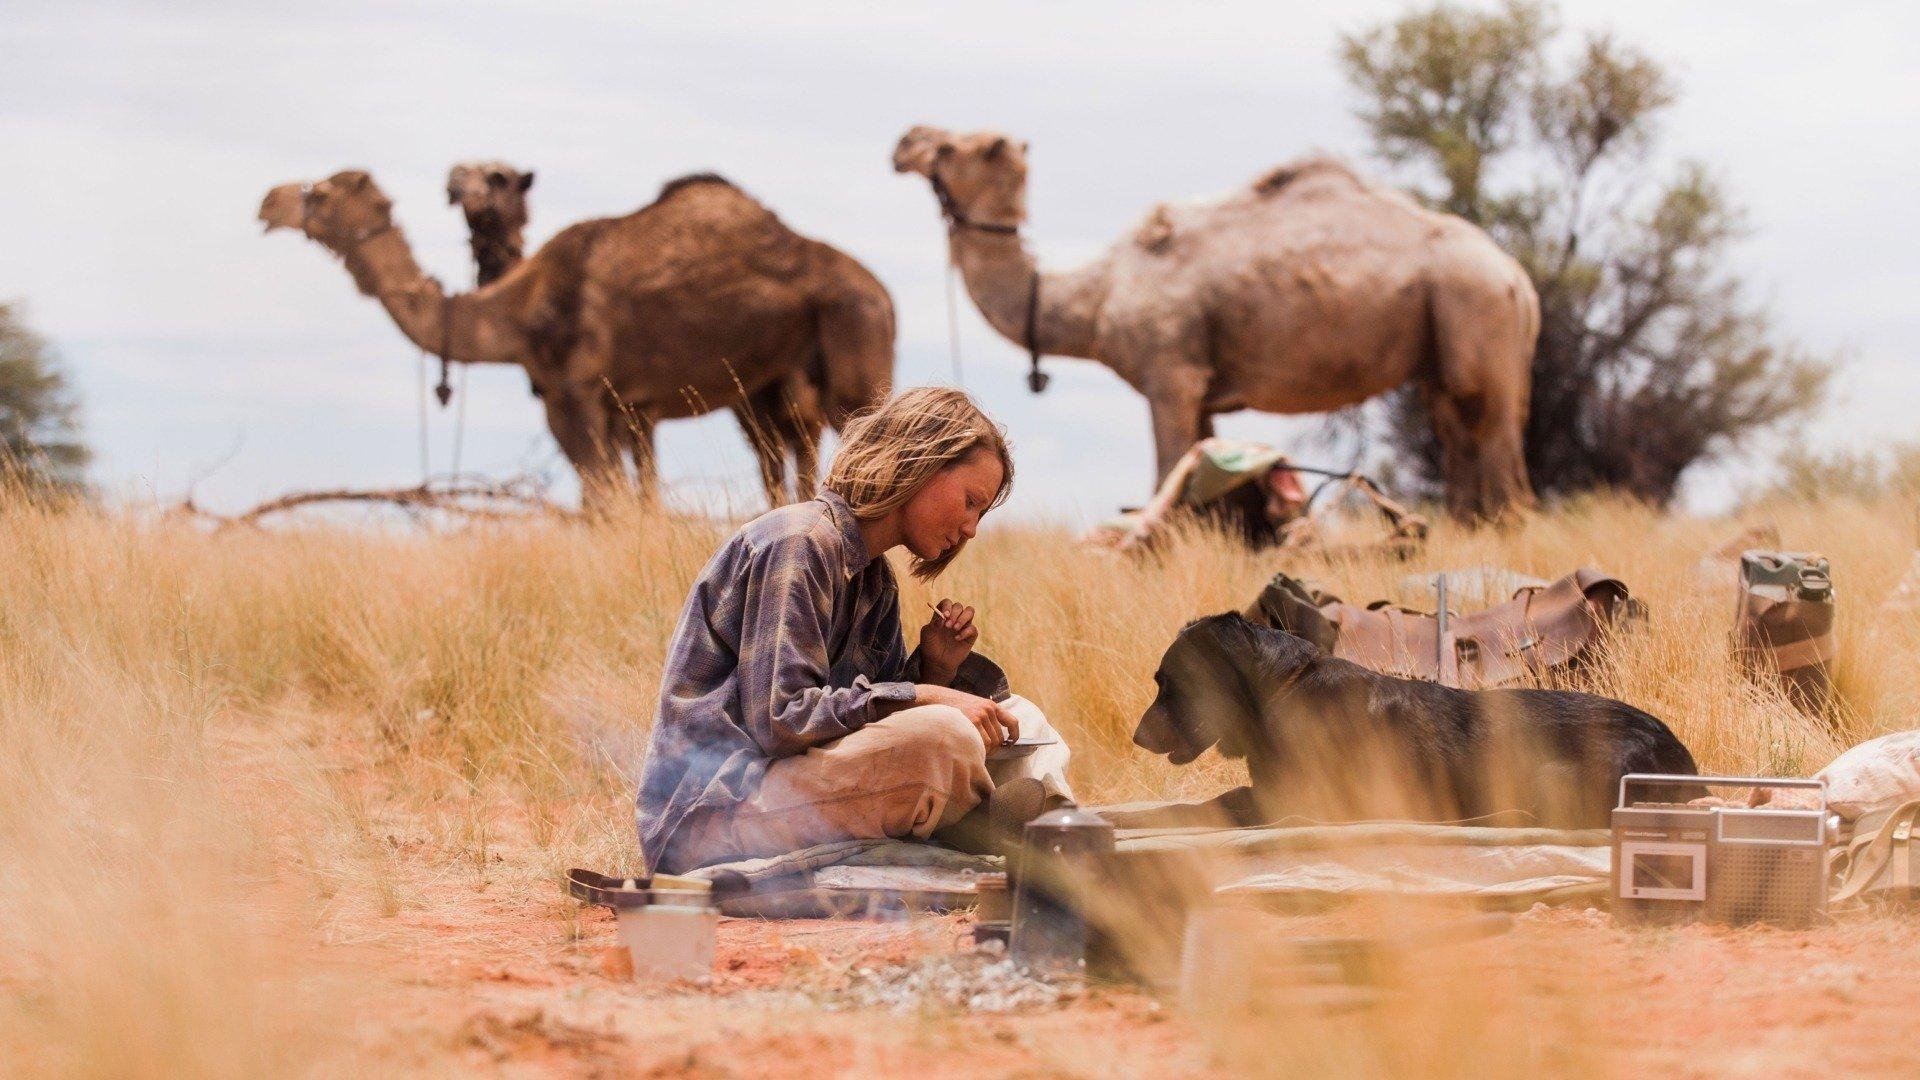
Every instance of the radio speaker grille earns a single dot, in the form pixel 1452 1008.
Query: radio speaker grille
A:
pixel 1781 885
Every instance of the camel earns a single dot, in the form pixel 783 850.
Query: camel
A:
pixel 780 422
pixel 696 301
pixel 493 196
pixel 1310 290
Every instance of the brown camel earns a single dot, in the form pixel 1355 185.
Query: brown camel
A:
pixel 779 423
pixel 694 302
pixel 493 196
pixel 1308 291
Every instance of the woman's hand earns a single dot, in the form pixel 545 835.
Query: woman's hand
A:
pixel 946 641
pixel 995 724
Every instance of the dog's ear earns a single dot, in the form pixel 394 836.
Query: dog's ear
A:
pixel 1262 655
pixel 1239 645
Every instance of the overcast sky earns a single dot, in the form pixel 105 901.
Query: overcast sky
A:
pixel 139 139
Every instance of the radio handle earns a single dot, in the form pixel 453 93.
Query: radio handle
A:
pixel 1670 780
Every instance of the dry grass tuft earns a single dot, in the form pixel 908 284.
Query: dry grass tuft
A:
pixel 221 746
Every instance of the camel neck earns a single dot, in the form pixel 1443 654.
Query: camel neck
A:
pixel 496 250
pixel 1001 272
pixel 384 268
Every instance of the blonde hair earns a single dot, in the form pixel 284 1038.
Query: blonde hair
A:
pixel 888 454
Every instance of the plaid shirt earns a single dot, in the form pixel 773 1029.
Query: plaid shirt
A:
pixel 787 640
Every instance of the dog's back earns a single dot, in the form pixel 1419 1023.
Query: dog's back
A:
pixel 1581 744
pixel 1556 755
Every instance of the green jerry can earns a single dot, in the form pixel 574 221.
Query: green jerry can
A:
pixel 1784 624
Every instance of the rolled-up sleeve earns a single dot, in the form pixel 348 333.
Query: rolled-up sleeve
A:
pixel 786 702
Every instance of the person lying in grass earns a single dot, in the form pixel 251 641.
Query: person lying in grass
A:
pixel 790 712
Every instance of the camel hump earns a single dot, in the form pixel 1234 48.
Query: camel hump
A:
pixel 1156 232
pixel 680 183
pixel 1294 174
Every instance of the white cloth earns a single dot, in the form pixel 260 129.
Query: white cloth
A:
pixel 1429 870
pixel 1879 774
pixel 1049 763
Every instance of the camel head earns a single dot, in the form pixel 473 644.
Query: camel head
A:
pixel 341 212
pixel 979 177
pixel 490 193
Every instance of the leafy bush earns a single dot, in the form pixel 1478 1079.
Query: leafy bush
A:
pixel 1650 361
pixel 40 445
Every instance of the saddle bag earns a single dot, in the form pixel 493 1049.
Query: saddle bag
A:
pixel 1540 629
pixel 1880 861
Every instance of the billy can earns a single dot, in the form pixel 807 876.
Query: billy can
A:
pixel 1057 875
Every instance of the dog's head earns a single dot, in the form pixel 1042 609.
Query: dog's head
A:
pixel 1210 686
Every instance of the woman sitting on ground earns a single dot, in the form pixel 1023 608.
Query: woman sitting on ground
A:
pixel 790 713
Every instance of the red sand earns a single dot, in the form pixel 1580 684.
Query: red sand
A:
pixel 505 982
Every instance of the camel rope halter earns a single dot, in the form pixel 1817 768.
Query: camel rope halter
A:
pixel 957 219
pixel 444 390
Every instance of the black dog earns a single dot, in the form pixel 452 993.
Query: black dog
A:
pixel 1331 740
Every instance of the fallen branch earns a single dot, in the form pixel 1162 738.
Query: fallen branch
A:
pixel 492 500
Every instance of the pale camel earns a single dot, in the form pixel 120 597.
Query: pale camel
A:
pixel 781 423
pixel 1308 291
pixel 692 303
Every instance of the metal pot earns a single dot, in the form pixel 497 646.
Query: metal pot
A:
pixel 1056 872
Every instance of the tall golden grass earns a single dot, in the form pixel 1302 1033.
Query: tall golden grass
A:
pixel 222 745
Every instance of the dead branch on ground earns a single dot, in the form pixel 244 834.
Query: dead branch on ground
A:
pixel 514 498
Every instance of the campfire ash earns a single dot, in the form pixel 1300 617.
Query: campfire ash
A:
pixel 981 981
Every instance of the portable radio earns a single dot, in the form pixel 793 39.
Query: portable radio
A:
pixel 1674 862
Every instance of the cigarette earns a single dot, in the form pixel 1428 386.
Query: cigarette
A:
pixel 945 616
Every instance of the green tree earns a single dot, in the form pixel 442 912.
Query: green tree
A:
pixel 1650 360
pixel 40 445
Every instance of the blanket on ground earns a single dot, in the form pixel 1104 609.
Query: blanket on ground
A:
pixel 1294 866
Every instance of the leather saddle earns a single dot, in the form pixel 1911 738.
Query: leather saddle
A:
pixel 1541 628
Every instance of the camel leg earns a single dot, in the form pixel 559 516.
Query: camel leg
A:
pixel 781 419
pixel 579 423
pixel 646 467
pixel 620 436
pixel 1481 455
pixel 1176 397
pixel 856 347
pixel 1459 463
pixel 759 422
pixel 806 461
pixel 1502 476
pixel 631 436
pixel 1483 376
pixel 800 420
